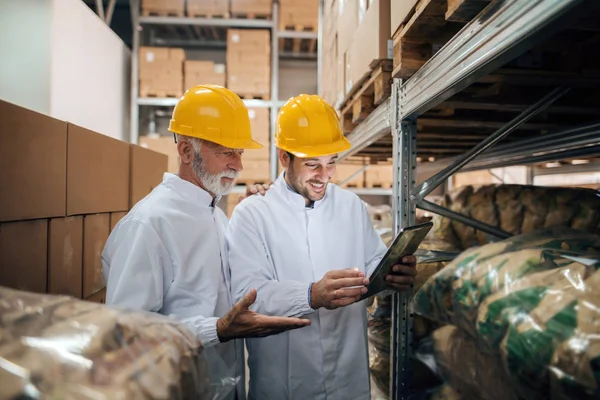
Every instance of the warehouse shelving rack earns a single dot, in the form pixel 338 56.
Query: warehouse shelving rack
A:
pixel 138 22
pixel 500 33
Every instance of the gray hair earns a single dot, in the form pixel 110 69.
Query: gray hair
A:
pixel 196 142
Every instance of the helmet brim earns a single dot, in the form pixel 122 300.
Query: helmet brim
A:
pixel 319 150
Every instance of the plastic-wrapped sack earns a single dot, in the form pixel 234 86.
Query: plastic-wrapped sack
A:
pixel 517 209
pixel 471 372
pixel 535 297
pixel 61 347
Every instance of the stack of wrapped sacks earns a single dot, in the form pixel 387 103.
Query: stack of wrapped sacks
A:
pixel 521 317
pixel 61 347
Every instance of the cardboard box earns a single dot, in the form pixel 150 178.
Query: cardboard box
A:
pixel 147 170
pixel 347 23
pixel 260 125
pixel 344 171
pixel 260 8
pixel 165 145
pixel 249 62
pixel 371 41
pixel 400 10
pixel 207 8
pixel 98 297
pixel 33 178
pixel 96 229
pixel 115 218
pixel 97 172
pixel 294 13
pixel 24 255
pixel 380 175
pixel 161 71
pixel 203 72
pixel 65 256
pixel 256 171
pixel 163 7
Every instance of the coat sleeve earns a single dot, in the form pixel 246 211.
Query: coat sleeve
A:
pixel 134 262
pixel 252 268
pixel 374 246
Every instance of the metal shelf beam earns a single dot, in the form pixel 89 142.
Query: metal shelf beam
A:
pixel 501 32
pixel 297 35
pixel 370 130
pixel 172 101
pixel 208 22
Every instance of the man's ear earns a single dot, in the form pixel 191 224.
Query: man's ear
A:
pixel 284 158
pixel 186 151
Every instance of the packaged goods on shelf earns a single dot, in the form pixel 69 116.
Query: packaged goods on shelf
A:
pixel 203 72
pixel 252 8
pixel 379 175
pixel 517 209
pixel 161 71
pixel 249 63
pixel 163 7
pixel 298 14
pixel 57 346
pixel 531 301
pixel 165 145
pixel 207 8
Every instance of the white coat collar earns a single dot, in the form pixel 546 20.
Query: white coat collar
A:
pixel 188 190
pixel 293 197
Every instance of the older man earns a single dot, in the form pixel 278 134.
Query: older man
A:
pixel 306 246
pixel 167 255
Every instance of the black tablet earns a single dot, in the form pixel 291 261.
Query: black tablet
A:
pixel 406 243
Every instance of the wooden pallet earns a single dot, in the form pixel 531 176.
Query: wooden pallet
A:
pixel 160 12
pixel 367 94
pixel 242 15
pixel 202 14
pixel 379 185
pixel 431 25
pixel 160 93
pixel 298 46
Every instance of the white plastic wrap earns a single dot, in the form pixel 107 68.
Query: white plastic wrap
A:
pixel 64 348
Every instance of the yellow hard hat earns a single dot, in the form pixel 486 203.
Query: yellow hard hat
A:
pixel 307 126
pixel 216 114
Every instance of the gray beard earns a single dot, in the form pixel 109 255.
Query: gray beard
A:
pixel 212 183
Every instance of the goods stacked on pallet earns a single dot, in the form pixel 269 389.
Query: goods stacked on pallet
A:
pixel 257 9
pixel 163 7
pixel 58 346
pixel 256 162
pixel 299 16
pixel 59 211
pixel 517 209
pixel 203 72
pixel 249 63
pixel 161 71
pixel 363 174
pixel 207 8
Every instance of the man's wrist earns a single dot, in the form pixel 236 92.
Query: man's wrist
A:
pixel 221 331
pixel 310 297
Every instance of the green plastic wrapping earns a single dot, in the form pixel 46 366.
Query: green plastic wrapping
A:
pixel 532 300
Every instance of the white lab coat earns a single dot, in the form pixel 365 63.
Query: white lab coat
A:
pixel 167 255
pixel 279 246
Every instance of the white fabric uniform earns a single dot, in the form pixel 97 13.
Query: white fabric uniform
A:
pixel 167 255
pixel 279 246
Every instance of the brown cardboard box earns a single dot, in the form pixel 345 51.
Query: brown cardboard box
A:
pixel 347 23
pixel 303 13
pixel 260 125
pixel 97 172
pixel 147 170
pixel 380 175
pixel 203 72
pixel 65 256
pixel 372 41
pixel 161 71
pixel 399 12
pixel 33 161
pixel 207 8
pixel 95 232
pixel 115 218
pixel 163 7
pixel 248 62
pixel 165 145
pixel 24 255
pixel 256 171
pixel 261 8
pixel 344 171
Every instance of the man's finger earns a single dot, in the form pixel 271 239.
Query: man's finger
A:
pixel 404 270
pixel 409 260
pixel 347 292
pixel 348 282
pixel 345 273
pixel 261 190
pixel 282 322
pixel 399 287
pixel 346 301
pixel 399 279
pixel 247 300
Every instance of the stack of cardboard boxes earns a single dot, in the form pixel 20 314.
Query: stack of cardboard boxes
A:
pixel 163 7
pixel 298 13
pixel 64 190
pixel 249 62
pixel 256 162
pixel 203 72
pixel 356 32
pixel 251 8
pixel 207 8
pixel 161 71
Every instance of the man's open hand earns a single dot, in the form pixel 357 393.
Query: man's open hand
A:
pixel 254 189
pixel 403 275
pixel 338 289
pixel 240 322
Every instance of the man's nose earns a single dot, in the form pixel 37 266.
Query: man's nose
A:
pixel 236 162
